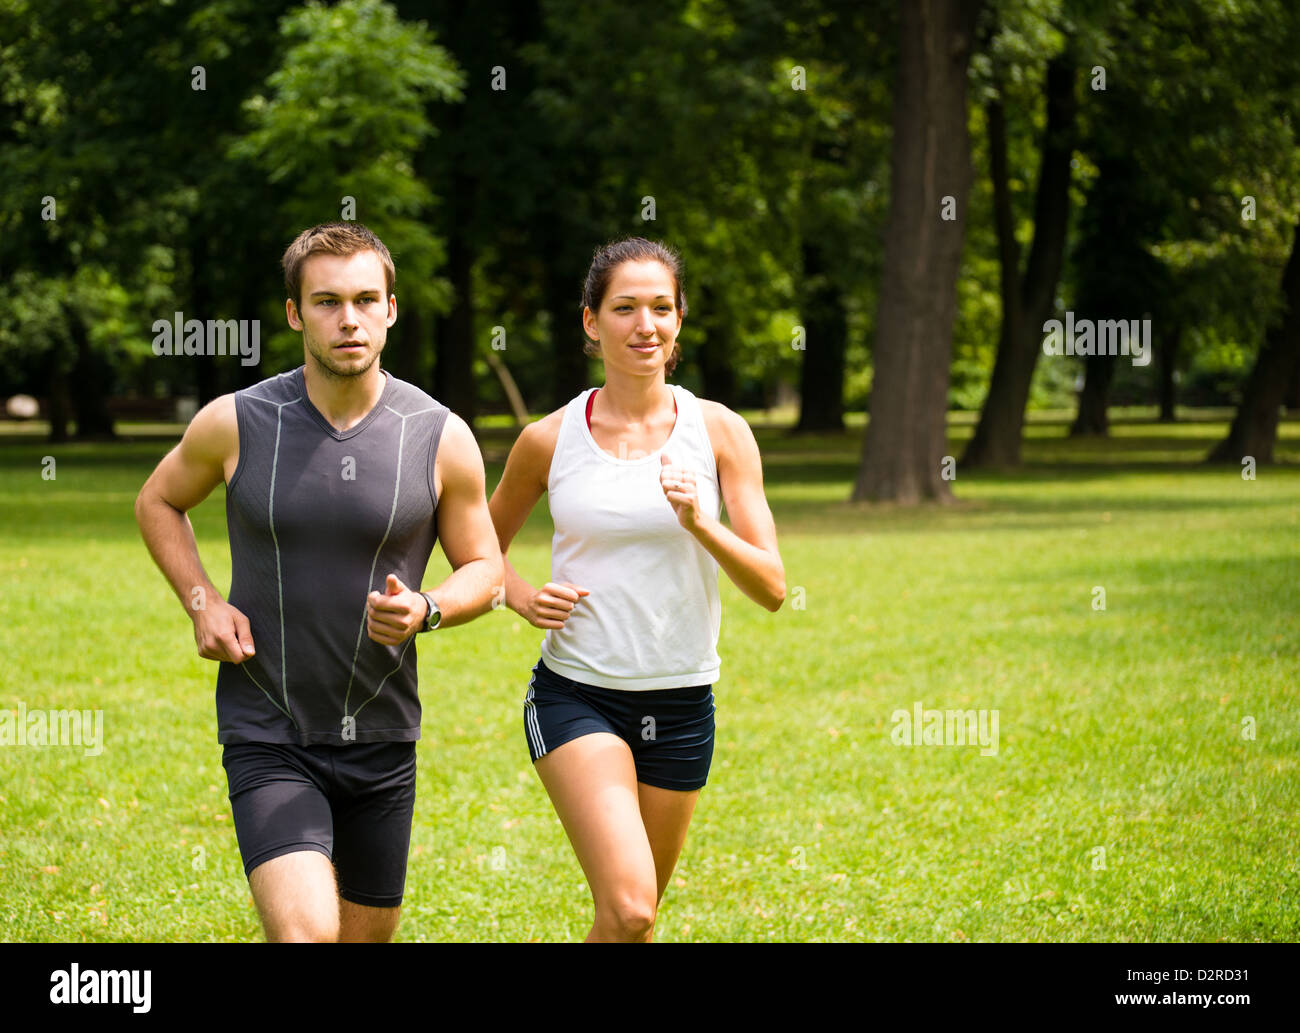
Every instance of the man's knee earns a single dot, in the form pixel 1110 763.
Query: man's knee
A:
pixel 361 924
pixel 296 897
pixel 302 929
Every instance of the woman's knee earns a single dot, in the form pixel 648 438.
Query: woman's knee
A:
pixel 628 914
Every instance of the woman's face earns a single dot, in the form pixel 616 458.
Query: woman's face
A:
pixel 638 321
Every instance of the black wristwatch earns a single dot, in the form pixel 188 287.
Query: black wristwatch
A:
pixel 434 617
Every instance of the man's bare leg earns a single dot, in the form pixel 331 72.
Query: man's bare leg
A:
pixel 297 897
pixel 362 924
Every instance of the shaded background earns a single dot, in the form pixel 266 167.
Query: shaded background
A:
pixel 887 195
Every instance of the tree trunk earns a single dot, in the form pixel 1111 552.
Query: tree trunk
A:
pixel 568 361
pixel 930 173
pixel 717 377
pixel 1254 428
pixel 1028 303
pixel 92 375
pixel 509 388
pixel 826 330
pixel 402 351
pixel 200 306
pixel 59 403
pixel 1292 399
pixel 453 375
pixel 1091 419
pixel 1170 344
pixel 249 307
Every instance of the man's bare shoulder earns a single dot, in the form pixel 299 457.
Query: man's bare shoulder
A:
pixel 458 446
pixel 213 434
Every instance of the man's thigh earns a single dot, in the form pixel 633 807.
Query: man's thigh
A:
pixel 285 827
pixel 372 827
pixel 351 805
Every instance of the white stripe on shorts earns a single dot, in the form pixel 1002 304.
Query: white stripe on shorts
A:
pixel 531 725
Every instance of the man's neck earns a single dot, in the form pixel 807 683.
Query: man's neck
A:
pixel 343 401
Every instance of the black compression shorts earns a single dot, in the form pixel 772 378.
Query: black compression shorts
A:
pixel 352 803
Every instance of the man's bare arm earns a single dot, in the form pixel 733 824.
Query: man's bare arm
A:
pixel 465 529
pixel 183 479
pixel 468 541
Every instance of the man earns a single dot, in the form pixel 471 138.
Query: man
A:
pixel 339 479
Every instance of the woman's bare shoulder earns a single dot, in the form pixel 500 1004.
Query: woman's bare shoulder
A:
pixel 535 447
pixel 729 433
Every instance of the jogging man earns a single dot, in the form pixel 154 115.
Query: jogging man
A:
pixel 339 480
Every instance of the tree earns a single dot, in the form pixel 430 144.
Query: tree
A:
pixel 845 51
pixel 1028 297
pixel 1254 428
pixel 1167 233
pixel 906 435
pixel 329 127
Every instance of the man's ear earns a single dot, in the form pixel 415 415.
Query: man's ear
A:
pixel 291 314
pixel 392 310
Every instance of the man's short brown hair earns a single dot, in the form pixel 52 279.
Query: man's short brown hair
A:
pixel 332 238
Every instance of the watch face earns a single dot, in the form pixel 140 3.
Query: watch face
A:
pixel 434 615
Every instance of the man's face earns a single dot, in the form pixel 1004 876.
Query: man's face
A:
pixel 346 312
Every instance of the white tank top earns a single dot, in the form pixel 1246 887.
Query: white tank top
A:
pixel 652 618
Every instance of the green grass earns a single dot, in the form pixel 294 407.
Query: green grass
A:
pixel 1119 730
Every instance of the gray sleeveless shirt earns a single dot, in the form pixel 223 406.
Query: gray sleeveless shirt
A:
pixel 318 519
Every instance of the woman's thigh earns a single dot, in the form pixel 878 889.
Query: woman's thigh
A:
pixel 592 783
pixel 666 815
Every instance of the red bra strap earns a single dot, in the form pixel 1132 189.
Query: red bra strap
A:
pixel 591 400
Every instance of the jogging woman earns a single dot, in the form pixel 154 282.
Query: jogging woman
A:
pixel 619 711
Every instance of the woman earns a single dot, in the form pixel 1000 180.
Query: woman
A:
pixel 619 712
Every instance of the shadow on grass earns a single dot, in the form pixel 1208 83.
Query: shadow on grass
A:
pixel 1064 483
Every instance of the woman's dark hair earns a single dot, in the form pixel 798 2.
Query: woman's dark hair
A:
pixel 610 257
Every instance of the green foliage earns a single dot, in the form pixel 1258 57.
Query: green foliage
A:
pixel 343 116
pixel 185 198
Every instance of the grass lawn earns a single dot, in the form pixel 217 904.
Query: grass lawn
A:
pixel 1125 800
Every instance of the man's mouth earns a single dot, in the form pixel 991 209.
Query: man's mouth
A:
pixel 350 346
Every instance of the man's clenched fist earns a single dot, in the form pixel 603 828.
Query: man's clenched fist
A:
pixel 395 614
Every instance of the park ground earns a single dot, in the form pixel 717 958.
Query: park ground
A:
pixel 1144 785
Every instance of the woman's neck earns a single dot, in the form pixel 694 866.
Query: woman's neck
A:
pixel 635 399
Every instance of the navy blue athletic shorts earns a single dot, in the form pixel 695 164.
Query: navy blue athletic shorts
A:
pixel 353 803
pixel 670 731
